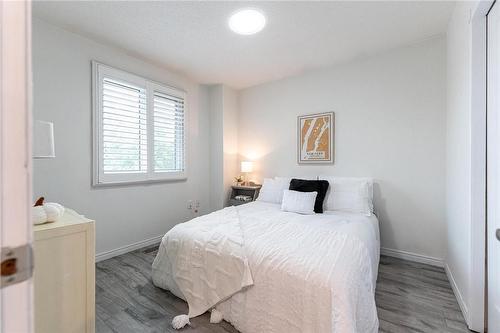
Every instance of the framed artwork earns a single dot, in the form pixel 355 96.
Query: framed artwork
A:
pixel 315 138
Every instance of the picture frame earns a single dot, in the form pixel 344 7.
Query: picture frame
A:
pixel 315 138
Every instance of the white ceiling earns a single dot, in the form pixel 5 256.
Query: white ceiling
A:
pixel 192 37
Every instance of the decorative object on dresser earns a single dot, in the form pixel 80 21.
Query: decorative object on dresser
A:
pixel 64 275
pixel 315 138
pixel 43 212
pixel 243 194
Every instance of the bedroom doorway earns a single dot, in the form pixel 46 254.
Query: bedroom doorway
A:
pixel 493 170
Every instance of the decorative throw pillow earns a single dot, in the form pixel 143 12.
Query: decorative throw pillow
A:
pixel 298 202
pixel 320 186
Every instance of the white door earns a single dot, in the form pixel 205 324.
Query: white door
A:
pixel 493 170
pixel 15 166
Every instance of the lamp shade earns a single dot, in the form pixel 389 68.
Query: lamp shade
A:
pixel 43 139
pixel 246 166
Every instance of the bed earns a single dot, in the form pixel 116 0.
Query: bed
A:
pixel 266 270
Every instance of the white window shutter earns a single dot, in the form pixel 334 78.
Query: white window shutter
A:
pixel 124 128
pixel 168 133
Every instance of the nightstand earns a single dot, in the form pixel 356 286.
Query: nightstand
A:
pixel 251 190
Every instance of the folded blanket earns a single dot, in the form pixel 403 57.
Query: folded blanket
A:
pixel 208 260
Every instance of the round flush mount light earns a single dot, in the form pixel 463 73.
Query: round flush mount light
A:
pixel 247 21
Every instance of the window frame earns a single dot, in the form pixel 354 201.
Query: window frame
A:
pixel 99 178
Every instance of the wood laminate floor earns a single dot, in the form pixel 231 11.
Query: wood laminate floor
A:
pixel 410 297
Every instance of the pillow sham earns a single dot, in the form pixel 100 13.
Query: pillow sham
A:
pixel 296 177
pixel 272 190
pixel 350 194
pixel 320 186
pixel 298 202
pixel 284 181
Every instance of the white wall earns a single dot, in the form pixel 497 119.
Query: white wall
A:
pixel 62 94
pixel 390 125
pixel 230 121
pixel 216 110
pixel 223 143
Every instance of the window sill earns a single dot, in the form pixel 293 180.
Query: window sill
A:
pixel 138 182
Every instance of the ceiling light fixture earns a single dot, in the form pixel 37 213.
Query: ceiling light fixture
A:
pixel 247 21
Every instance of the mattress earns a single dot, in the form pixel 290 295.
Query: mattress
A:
pixel 311 273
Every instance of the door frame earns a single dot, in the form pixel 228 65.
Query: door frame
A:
pixel 16 300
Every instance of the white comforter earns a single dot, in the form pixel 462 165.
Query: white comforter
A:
pixel 310 273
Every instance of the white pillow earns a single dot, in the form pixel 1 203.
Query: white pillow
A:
pixel 349 194
pixel 272 190
pixel 298 202
pixel 284 179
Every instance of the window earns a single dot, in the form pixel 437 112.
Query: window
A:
pixel 138 128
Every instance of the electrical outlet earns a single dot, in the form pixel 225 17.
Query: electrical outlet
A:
pixel 190 204
pixel 196 207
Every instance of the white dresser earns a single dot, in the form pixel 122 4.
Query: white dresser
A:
pixel 64 275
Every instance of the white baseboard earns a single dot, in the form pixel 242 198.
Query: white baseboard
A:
pixel 127 248
pixel 458 294
pixel 410 256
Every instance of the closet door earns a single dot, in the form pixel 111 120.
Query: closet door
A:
pixel 493 170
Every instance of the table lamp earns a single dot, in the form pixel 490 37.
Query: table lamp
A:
pixel 246 167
